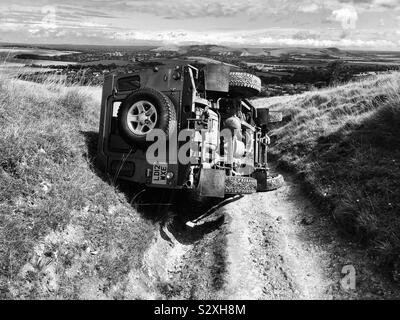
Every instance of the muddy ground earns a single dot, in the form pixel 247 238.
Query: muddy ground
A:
pixel 274 245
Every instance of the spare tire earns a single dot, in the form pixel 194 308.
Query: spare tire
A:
pixel 141 112
pixel 242 84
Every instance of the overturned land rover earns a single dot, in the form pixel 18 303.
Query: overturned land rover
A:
pixel 189 128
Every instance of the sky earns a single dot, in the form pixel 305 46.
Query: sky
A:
pixel 348 24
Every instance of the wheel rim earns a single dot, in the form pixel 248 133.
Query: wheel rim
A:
pixel 142 117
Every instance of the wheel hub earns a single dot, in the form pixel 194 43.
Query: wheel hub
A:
pixel 142 117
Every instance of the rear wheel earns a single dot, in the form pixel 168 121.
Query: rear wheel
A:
pixel 143 111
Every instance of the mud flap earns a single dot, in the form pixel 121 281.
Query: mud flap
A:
pixel 212 183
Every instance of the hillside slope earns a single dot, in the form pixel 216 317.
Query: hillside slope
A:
pixel 64 232
pixel 344 143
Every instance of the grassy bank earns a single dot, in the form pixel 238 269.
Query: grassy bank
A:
pixel 344 143
pixel 64 231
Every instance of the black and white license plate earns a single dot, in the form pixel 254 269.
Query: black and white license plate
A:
pixel 159 173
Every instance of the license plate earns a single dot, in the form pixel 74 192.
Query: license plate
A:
pixel 159 173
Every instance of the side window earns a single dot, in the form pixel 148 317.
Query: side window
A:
pixel 128 83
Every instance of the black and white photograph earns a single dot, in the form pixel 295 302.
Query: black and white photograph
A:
pixel 199 154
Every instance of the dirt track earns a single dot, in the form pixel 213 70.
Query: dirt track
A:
pixel 265 246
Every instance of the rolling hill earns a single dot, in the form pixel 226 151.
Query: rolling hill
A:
pixel 333 53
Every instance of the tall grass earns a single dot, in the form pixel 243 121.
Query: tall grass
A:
pixel 344 142
pixel 64 232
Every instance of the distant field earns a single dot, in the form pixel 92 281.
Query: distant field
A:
pixel 48 62
pixel 7 56
pixel 107 62
pixel 15 68
pixel 382 63
pixel 42 52
pixel 208 60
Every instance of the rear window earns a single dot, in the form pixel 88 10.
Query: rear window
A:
pixel 128 83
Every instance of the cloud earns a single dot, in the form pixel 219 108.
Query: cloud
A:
pixel 182 9
pixel 48 21
pixel 388 4
pixel 305 34
pixel 187 9
pixel 125 21
pixel 373 5
pixel 309 8
pixel 266 38
pixel 347 16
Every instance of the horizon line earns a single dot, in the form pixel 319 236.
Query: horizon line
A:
pixel 193 44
